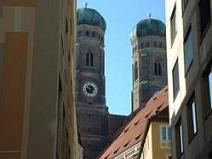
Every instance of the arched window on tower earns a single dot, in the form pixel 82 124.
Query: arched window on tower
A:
pixel 136 71
pixel 89 59
pixel 87 33
pixel 158 70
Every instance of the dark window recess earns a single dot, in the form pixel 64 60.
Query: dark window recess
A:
pixel 142 45
pixel 208 86
pixel 173 25
pixel 188 49
pixel 179 139
pixel 79 33
pixel 154 44
pixel 158 70
pixel 89 59
pixel 66 26
pixel 192 117
pixel 147 44
pixel 209 81
pixel 207 89
pixel 87 33
pixel 160 45
pixel 102 39
pixel 205 16
pixel 93 34
pixel 69 55
pixel 184 4
pixel 175 78
pixel 136 70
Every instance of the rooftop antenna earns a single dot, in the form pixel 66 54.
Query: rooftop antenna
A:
pixel 86 4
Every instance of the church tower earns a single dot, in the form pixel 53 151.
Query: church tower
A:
pixel 149 60
pixel 92 112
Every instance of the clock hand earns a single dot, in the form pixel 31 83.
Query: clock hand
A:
pixel 89 89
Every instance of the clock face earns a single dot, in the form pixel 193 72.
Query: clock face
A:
pixel 90 89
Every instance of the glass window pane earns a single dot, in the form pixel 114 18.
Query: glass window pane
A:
pixel 175 74
pixel 136 70
pixel 194 117
pixel 210 87
pixel 184 4
pixel 173 25
pixel 181 139
pixel 163 133
pixel 188 51
pixel 169 133
pixel 87 59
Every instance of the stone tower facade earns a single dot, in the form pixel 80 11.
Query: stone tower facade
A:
pixel 92 112
pixel 149 60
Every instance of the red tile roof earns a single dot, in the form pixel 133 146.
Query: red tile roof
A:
pixel 133 131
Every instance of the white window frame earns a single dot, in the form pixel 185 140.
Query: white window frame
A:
pixel 167 133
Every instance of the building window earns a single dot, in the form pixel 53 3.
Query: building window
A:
pixel 66 26
pixel 169 157
pixel 205 16
pixel 179 139
pixel 209 86
pixel 93 34
pixel 165 133
pixel 142 45
pixel 136 70
pixel 207 89
pixel 89 59
pixel 192 117
pixel 147 44
pixel 158 70
pixel 184 4
pixel 87 33
pixel 173 25
pixel 155 44
pixel 175 78
pixel 188 50
pixel 160 45
pixel 102 39
pixel 79 33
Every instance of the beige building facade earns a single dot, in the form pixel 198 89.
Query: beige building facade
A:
pixel 156 143
pixel 189 61
pixel 37 108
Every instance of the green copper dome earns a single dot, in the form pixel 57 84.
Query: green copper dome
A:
pixel 149 27
pixel 91 17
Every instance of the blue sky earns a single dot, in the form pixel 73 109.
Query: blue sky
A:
pixel 121 16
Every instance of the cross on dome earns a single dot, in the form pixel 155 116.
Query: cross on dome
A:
pixel 86 4
pixel 149 15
